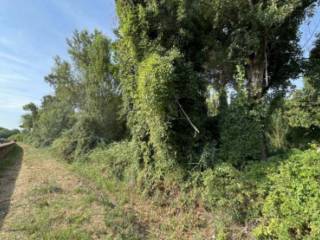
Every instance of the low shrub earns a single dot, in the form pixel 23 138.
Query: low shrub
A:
pixel 292 208
pixel 78 141
pixel 119 159
pixel 19 137
pixel 224 189
pixel 64 147
pixel 236 196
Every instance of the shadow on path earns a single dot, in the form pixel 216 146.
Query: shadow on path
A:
pixel 10 166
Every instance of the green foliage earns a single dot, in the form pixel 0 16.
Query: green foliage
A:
pixel 278 132
pixel 19 137
pixel 208 156
pixel 6 133
pixel 236 197
pixel 91 54
pixel 162 92
pixel 65 146
pixel 303 106
pixel 83 111
pixel 155 77
pixel 291 209
pixel 77 141
pixel 241 126
pixel 241 134
pixel 65 85
pixel 224 189
pixel 303 109
pixel 54 118
pixel 121 159
pixel 29 119
pixel 173 60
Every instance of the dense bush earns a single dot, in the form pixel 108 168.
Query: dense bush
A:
pixel 119 159
pixel 20 137
pixel 237 196
pixel 65 146
pixel 241 134
pixel 77 141
pixel 277 133
pixel 292 208
pixel 224 188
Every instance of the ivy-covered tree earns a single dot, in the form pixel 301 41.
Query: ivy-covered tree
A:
pixel 160 57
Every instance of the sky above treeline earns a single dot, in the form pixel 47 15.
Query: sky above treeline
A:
pixel 33 32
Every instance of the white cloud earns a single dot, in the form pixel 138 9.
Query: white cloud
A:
pixel 13 58
pixel 8 78
pixel 16 102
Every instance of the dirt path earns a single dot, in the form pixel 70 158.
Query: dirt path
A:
pixel 41 199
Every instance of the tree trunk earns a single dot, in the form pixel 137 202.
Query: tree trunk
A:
pixel 257 77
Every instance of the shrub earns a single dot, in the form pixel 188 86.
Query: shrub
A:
pixel 224 189
pixel 17 137
pixel 78 141
pixel 292 208
pixel 119 158
pixel 65 146
pixel 236 196
pixel 278 132
pixel 241 133
pixel 208 156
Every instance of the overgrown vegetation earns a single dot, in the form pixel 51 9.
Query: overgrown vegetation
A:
pixel 194 108
pixel 10 156
pixel 7 133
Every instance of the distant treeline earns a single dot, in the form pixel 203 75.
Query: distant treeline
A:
pixel 6 133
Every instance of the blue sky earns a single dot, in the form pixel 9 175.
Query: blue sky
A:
pixel 33 32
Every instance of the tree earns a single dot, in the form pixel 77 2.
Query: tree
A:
pixel 55 117
pixel 160 59
pixel 303 108
pixel 86 97
pixel 263 37
pixel 29 119
pixel 99 96
pixel 65 84
pixel 6 133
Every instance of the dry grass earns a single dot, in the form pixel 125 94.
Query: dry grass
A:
pixel 49 202
pixel 53 200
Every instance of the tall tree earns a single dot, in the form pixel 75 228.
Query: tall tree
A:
pixel 160 53
pixel 29 119
pixel 304 106
pixel 99 100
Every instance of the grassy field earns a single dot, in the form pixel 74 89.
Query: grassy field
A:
pixel 53 200
pixel 50 202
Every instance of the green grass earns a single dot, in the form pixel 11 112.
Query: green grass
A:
pixel 135 216
pixel 52 210
pixel 53 214
pixel 123 222
pixel 56 211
